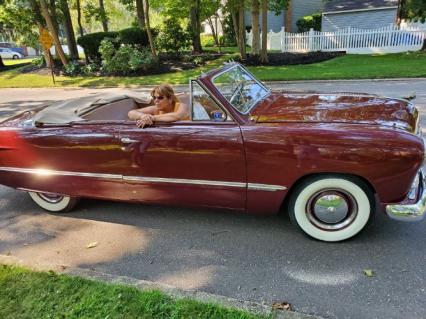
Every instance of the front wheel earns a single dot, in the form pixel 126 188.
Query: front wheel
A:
pixel 331 208
pixel 15 57
pixel 54 202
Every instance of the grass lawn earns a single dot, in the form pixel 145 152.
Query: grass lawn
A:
pixel 345 67
pixel 27 294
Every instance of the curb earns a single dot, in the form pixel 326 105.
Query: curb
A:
pixel 135 86
pixel 176 293
pixel 251 306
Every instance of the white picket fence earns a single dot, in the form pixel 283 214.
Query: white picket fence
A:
pixel 390 39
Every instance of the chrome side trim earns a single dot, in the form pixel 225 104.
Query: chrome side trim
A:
pixel 265 187
pixel 183 181
pixel 46 172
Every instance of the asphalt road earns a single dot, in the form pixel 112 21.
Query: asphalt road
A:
pixel 236 255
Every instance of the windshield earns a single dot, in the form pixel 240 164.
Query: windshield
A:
pixel 240 88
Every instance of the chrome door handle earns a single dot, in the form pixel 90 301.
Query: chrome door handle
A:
pixel 126 140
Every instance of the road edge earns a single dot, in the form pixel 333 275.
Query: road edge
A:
pixel 176 293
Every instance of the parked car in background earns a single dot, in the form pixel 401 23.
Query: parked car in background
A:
pixel 331 161
pixel 14 47
pixel 6 53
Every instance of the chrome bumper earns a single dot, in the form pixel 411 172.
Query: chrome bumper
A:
pixel 410 212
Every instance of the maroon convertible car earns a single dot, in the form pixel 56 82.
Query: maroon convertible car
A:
pixel 330 161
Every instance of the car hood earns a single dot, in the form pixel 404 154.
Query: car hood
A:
pixel 339 108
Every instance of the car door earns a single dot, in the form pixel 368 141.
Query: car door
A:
pixel 80 159
pixel 199 162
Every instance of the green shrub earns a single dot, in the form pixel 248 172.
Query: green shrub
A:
pixel 90 69
pixel 172 37
pixel 133 36
pixel 312 21
pixel 91 42
pixel 72 69
pixel 124 60
pixel 39 61
pixel 207 40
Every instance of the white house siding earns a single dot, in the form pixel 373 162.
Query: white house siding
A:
pixel 301 8
pixel 304 8
pixel 371 19
pixel 274 22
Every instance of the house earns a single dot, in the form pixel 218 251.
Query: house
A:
pixel 288 18
pixel 371 14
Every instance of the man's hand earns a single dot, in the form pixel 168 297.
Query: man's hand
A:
pixel 145 120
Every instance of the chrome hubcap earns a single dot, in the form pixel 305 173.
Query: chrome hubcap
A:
pixel 50 198
pixel 331 209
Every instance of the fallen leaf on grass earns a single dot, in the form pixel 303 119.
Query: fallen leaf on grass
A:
pixel 92 245
pixel 281 306
pixel 368 272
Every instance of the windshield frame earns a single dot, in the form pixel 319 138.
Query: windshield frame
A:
pixel 252 76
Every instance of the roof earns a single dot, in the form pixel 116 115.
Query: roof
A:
pixel 347 5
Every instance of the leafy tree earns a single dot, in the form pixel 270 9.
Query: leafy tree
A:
pixel 18 20
pixel 193 10
pixel 173 37
pixel 413 10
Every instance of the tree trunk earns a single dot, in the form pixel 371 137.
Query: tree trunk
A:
pixel 235 25
pixel 148 29
pixel 140 14
pixel 53 15
pixel 214 32
pixel 288 17
pixel 264 50
pixel 255 45
pixel 80 27
pixel 2 66
pixel 195 26
pixel 46 15
pixel 69 31
pixel 104 18
pixel 241 31
pixel 40 24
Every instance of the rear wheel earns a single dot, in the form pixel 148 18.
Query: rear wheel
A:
pixel 15 57
pixel 54 202
pixel 331 208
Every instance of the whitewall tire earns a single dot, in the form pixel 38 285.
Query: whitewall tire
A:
pixel 331 208
pixel 53 202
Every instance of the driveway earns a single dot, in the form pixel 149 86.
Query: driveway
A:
pixel 225 253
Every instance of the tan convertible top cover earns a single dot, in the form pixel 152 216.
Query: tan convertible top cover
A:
pixel 74 109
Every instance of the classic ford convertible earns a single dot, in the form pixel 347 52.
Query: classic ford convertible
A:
pixel 330 161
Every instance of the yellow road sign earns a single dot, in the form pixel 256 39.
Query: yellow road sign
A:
pixel 46 39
